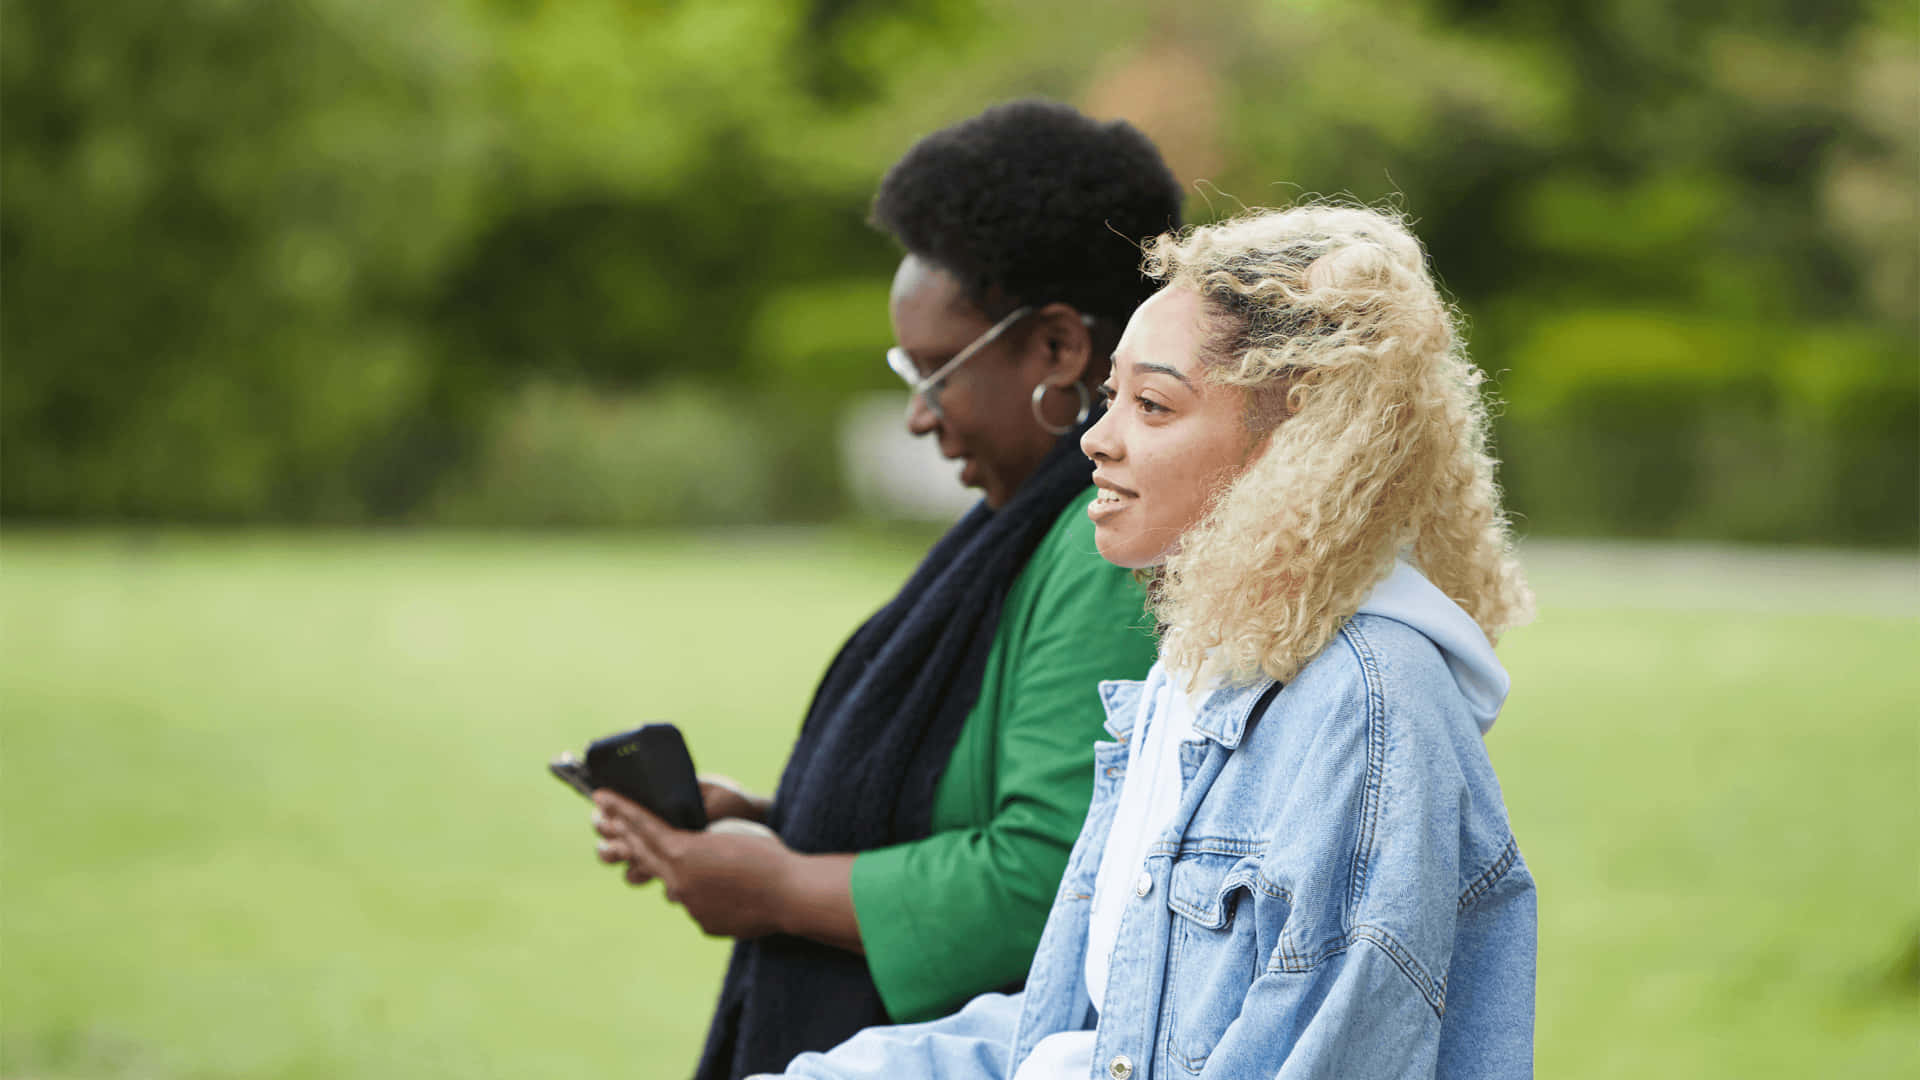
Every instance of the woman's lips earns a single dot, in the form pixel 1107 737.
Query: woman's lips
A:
pixel 1110 500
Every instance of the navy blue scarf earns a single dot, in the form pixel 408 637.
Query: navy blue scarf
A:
pixel 873 748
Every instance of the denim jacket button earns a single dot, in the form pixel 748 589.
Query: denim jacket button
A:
pixel 1120 1067
pixel 1143 886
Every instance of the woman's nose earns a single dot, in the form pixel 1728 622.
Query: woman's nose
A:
pixel 1099 442
pixel 920 416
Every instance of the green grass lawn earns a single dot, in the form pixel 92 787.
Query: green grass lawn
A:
pixel 275 806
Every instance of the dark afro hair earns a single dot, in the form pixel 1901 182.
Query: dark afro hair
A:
pixel 1032 202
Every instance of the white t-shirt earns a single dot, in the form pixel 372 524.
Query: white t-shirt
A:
pixel 1149 797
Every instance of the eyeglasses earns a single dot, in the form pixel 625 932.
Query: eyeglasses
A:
pixel 929 388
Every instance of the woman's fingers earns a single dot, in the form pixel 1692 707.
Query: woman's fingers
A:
pixel 624 828
pixel 606 826
pixel 642 866
pixel 634 836
pixel 616 807
pixel 643 830
pixel 638 825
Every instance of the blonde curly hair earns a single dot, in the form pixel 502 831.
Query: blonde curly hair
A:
pixel 1327 316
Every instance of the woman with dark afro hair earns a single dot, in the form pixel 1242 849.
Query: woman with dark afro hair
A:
pixel 922 823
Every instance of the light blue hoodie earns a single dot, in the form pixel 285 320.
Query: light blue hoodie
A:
pixel 1338 895
pixel 1406 596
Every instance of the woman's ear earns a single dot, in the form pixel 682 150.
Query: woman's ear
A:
pixel 1068 343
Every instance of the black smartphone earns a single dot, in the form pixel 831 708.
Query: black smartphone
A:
pixel 649 765
pixel 572 772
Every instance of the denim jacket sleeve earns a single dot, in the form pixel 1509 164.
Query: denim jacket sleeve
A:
pixel 1353 1016
pixel 973 1042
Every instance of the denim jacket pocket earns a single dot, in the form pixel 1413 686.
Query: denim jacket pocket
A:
pixel 1215 952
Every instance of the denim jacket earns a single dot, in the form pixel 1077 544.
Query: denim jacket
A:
pixel 1338 895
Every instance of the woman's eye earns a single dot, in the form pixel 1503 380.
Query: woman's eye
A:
pixel 1105 392
pixel 1148 405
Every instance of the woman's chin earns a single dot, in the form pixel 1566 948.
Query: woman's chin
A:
pixel 1115 550
pixel 1127 548
pixel 974 478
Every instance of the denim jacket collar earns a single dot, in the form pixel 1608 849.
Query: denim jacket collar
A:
pixel 1223 716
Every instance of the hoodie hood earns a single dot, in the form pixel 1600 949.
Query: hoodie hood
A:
pixel 1406 596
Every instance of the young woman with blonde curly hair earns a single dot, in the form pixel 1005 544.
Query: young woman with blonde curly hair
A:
pixel 1297 862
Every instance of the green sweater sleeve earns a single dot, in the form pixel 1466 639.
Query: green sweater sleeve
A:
pixel 960 912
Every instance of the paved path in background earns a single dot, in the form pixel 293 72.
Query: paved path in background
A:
pixel 1715 577
pixel 1625 574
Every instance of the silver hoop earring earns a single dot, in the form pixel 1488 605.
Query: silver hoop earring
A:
pixel 1086 406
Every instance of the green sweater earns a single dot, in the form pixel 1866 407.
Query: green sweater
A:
pixel 960 912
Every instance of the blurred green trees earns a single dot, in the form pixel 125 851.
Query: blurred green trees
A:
pixel 339 261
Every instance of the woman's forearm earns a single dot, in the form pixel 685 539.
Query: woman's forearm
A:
pixel 816 901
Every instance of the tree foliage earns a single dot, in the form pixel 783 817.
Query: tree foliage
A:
pixel 331 260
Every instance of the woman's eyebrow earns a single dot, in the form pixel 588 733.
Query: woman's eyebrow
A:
pixel 1148 367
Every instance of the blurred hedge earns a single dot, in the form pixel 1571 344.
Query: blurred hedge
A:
pixel 605 262
pixel 674 455
pixel 1638 424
